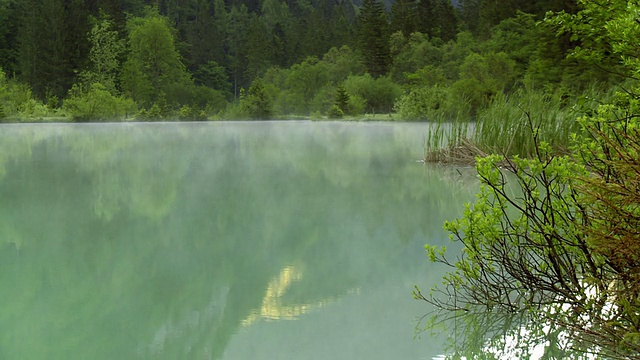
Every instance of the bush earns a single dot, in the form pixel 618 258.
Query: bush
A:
pixel 426 103
pixel 356 105
pixel 257 103
pixel 196 97
pixel 96 103
pixel 157 112
pixel 324 99
pixel 235 111
pixel 335 112
pixel 188 113
pixel 17 100
pixel 380 94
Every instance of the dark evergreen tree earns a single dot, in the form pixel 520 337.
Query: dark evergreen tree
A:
pixel 342 26
pixel 404 17
pixel 373 37
pixel 447 20
pixel 214 76
pixel 278 21
pixel 237 23
pixel 318 35
pixel 52 44
pixel 342 98
pixel 203 38
pixel 8 30
pixel 427 21
pixel 259 49
pixel 438 19
pixel 469 10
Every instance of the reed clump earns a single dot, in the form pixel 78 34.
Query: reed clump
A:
pixel 508 126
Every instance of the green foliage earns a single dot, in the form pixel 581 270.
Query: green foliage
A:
pixel 439 19
pixel 430 103
pixel 335 112
pixel 602 33
pixel 356 105
pixel 159 111
pixel 611 152
pixel 3 90
pixel 518 37
pixel 524 253
pixel 552 240
pixel 374 37
pixel 482 76
pixel 226 46
pixel 413 54
pixel 188 113
pixel 18 102
pixel 257 103
pixel 214 76
pixel 341 97
pixel 106 50
pixel 97 103
pixel 379 94
pixel 197 97
pixel 505 126
pixel 404 17
pixel 50 44
pixel 153 64
pixel 310 85
pixel 342 62
pixel 323 99
pixel 307 77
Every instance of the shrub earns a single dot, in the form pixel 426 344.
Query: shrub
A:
pixel 257 103
pixel 380 94
pixel 425 103
pixel 335 112
pixel 324 99
pixel 96 103
pixel 187 113
pixel 356 105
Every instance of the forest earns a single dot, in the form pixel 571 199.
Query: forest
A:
pixel 113 60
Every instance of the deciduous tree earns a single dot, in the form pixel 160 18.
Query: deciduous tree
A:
pixel 153 64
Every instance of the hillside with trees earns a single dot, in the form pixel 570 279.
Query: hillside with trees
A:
pixel 200 59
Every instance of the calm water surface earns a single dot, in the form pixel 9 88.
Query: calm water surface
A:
pixel 270 240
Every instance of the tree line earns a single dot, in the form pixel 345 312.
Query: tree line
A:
pixel 197 58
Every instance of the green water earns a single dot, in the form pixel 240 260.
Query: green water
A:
pixel 269 240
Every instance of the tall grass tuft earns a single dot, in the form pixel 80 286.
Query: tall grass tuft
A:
pixel 509 124
pixel 507 127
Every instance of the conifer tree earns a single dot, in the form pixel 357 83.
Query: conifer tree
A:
pixel 438 19
pixel 374 37
pixel 342 98
pixel 404 17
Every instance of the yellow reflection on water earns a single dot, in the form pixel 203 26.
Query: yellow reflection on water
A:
pixel 272 307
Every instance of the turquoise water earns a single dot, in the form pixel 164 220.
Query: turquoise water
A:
pixel 233 240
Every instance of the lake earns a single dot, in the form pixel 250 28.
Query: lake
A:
pixel 221 240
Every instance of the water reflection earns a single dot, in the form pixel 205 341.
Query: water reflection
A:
pixel 273 306
pixel 167 241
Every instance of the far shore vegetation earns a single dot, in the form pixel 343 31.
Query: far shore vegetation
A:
pixel 211 60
